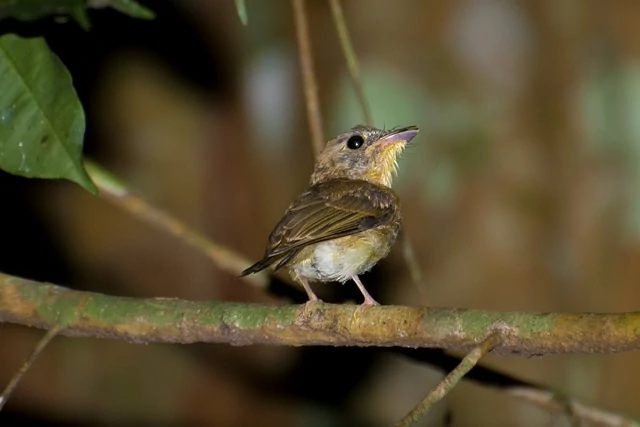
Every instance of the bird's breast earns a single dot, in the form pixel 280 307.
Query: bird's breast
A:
pixel 342 258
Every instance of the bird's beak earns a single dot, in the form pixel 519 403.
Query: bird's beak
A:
pixel 405 134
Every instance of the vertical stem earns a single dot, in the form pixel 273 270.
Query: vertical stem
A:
pixel 412 264
pixel 354 72
pixel 350 57
pixel 308 77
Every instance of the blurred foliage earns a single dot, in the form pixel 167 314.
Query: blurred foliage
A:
pixel 31 10
pixel 128 7
pixel 611 105
pixel 241 7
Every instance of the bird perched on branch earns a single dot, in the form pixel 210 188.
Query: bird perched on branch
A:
pixel 348 218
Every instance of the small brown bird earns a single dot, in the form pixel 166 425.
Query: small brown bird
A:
pixel 349 217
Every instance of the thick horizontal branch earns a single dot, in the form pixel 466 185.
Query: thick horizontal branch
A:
pixel 89 314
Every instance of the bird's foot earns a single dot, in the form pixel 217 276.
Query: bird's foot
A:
pixel 368 302
pixel 311 304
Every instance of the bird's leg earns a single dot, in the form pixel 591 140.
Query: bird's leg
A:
pixel 305 284
pixel 368 299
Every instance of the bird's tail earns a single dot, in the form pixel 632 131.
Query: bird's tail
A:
pixel 258 266
pixel 279 260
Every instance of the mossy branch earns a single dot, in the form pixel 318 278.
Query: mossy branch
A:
pixel 147 320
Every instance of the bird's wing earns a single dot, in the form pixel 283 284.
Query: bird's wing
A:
pixel 327 211
pixel 331 211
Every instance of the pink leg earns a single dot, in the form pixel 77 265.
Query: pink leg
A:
pixel 305 284
pixel 368 299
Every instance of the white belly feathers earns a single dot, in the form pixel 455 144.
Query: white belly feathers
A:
pixel 331 262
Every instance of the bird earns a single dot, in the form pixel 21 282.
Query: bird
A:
pixel 348 218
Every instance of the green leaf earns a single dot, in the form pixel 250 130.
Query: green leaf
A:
pixel 31 10
pixel 41 119
pixel 128 7
pixel 81 17
pixel 241 7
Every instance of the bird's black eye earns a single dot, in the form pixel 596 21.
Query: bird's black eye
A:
pixel 355 142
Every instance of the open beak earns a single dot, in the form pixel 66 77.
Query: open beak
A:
pixel 405 134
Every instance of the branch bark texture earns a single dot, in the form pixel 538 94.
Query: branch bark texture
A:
pixel 147 320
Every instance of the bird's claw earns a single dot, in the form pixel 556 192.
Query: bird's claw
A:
pixel 309 305
pixel 368 302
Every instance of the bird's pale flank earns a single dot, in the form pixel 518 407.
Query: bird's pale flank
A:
pixel 348 218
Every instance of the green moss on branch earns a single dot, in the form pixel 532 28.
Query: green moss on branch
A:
pixel 44 305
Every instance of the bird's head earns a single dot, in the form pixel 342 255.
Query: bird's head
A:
pixel 365 153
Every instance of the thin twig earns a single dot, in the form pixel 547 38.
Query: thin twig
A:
pixel 354 72
pixel 120 194
pixel 450 381
pixel 555 403
pixel 350 57
pixel 533 393
pixel 410 260
pixel 15 380
pixel 308 76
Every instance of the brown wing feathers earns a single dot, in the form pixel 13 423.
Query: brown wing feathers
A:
pixel 326 211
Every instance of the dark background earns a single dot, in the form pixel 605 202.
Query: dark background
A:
pixel 520 193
